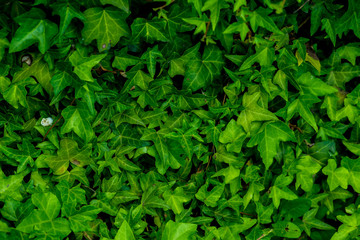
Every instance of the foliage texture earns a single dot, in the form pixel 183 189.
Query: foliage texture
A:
pixel 179 119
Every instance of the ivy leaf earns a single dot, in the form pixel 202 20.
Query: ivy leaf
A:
pixel 77 120
pixel 67 12
pixel 178 231
pixel 349 228
pixel 312 85
pixel 67 153
pixel 349 52
pixel 199 22
pixel 82 219
pixel 336 176
pixel 151 56
pixel 234 135
pixel 39 70
pixel 310 221
pixel 210 198
pixel 61 80
pixel 349 21
pixel 240 27
pixel 176 199
pixel 264 56
pixel 301 106
pixel 253 112
pixel 122 4
pixel 342 74
pixel 329 27
pixel 33 29
pixel 214 6
pixel 70 197
pixel 307 170
pixel 280 190
pixel 353 167
pixel 150 30
pixel 125 232
pixel 44 219
pixel 10 186
pixel 107 26
pixel 268 140
pixel 83 65
pixel 286 229
pixel 201 72
pixel 260 18
pixel 123 60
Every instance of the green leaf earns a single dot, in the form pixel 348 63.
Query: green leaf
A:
pixel 107 26
pixel 67 153
pixel 70 197
pixel 67 12
pixel 350 20
pixel 264 56
pixel 312 85
pixel 353 167
pixel 329 27
pixel 238 27
pixel 178 231
pixel 151 56
pixel 122 4
pixel 214 6
pixel 39 70
pixel 308 168
pixel 259 18
pixel 253 112
pixel 139 78
pixel 280 190
pixel 310 221
pixel 83 65
pixel 210 198
pixel 336 176
pixel 233 136
pixel 342 74
pixel 150 30
pixel 286 229
pixel 176 199
pixel 268 140
pixel 10 186
pixel 77 120
pixel 82 219
pixel 200 72
pixel 349 52
pixel 61 80
pixel 125 232
pixel 33 30
pixel 44 218
pixel 301 105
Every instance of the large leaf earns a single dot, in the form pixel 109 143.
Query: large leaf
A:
pixel 67 153
pixel 268 140
pixel 33 30
pixel 178 231
pixel 44 218
pixel 200 72
pixel 107 26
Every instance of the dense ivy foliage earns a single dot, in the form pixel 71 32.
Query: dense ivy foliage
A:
pixel 177 120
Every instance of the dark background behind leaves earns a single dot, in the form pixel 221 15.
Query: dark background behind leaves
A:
pixel 186 119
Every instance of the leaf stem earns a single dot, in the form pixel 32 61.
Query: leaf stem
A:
pixel 301 6
pixel 265 234
pixel 163 6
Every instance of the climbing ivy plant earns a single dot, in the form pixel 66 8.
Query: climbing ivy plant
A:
pixel 179 119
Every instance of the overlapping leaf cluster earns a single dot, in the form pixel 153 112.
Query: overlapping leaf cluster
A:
pixel 185 119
